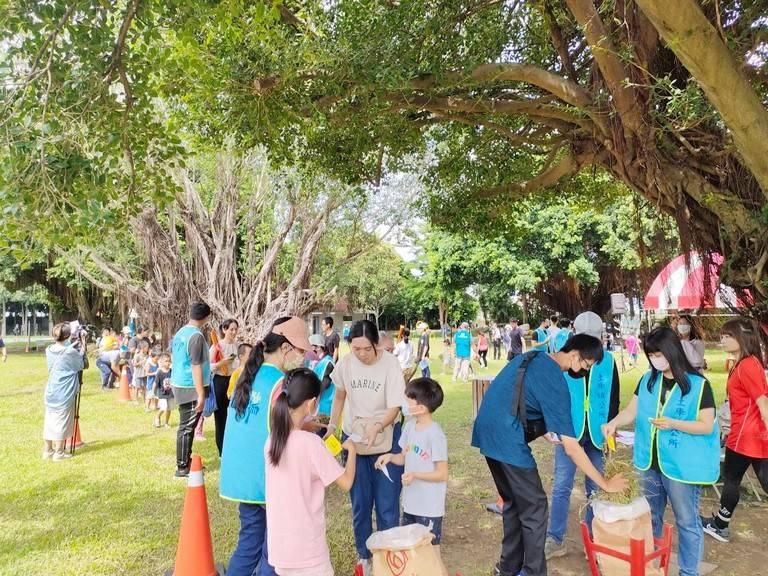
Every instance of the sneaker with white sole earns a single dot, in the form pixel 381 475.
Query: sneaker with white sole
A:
pixel 554 550
pixel 719 534
pixel 59 456
pixel 47 454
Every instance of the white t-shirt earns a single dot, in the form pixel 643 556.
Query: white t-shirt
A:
pixel 404 353
pixel 371 389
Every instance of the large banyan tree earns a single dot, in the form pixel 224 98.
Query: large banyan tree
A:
pixel 510 96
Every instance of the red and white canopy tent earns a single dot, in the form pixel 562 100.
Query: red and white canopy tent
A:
pixel 679 286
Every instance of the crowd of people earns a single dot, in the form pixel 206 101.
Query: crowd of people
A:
pixel 280 399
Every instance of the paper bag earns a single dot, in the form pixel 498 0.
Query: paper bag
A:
pixel 616 535
pixel 404 551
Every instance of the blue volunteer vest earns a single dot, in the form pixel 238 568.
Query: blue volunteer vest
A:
pixel 560 339
pixel 243 471
pixel 595 404
pixel 326 398
pixel 538 344
pixel 182 367
pixel 687 458
pixel 463 340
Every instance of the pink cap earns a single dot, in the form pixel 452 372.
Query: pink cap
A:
pixel 295 331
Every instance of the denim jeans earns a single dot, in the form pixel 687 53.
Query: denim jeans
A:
pixel 372 489
pixel 684 499
pixel 106 371
pixel 565 471
pixel 426 372
pixel 250 556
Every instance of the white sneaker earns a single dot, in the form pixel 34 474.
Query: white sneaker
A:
pixel 47 454
pixel 59 456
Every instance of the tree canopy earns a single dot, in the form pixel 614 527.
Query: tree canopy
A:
pixel 101 100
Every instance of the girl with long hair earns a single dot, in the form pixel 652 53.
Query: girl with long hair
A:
pixel 242 458
pixel 693 345
pixel 677 446
pixel 747 442
pixel 224 361
pixel 299 468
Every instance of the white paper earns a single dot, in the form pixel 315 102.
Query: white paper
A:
pixel 356 438
pixel 625 438
pixel 386 473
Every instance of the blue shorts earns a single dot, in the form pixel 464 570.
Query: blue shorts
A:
pixel 435 525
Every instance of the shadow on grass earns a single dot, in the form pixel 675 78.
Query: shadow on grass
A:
pixel 97 445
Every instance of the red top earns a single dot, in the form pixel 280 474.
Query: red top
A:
pixel 746 384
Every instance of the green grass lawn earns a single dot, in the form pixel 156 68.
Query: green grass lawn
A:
pixel 115 508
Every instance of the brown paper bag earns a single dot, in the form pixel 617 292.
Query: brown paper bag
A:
pixel 616 535
pixel 404 551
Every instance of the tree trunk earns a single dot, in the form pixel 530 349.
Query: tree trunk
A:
pixel 442 312
pixel 697 44
pixel 194 253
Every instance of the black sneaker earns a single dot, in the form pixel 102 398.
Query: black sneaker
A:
pixel 181 473
pixel 719 534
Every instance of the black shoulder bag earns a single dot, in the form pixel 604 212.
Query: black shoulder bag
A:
pixel 532 429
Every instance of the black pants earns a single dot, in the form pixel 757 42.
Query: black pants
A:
pixel 482 356
pixel 185 434
pixel 497 349
pixel 220 385
pixel 734 468
pixel 525 519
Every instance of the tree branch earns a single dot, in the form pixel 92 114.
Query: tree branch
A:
pixel 568 166
pixel 613 71
pixel 453 105
pixel 566 90
pixel 117 51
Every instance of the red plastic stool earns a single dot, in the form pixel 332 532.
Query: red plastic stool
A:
pixel 637 558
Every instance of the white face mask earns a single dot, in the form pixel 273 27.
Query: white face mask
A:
pixel 684 329
pixel 312 414
pixel 660 363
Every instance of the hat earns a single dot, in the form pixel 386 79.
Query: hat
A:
pixel 317 340
pixel 588 323
pixel 464 325
pixel 126 330
pixel 295 331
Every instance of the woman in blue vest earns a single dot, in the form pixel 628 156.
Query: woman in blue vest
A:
pixel 323 368
pixel 242 459
pixel 595 398
pixel 677 441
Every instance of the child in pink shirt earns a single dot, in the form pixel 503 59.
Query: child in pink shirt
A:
pixel 299 468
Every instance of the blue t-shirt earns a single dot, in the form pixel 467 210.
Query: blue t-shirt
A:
pixel 498 434
pixel 463 340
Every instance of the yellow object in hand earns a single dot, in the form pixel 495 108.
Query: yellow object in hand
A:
pixel 611 443
pixel 333 445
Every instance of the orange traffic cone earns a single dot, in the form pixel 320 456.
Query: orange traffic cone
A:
pixel 194 556
pixel 125 390
pixel 75 438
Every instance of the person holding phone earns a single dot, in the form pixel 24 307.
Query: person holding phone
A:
pixel 677 441
pixel 224 361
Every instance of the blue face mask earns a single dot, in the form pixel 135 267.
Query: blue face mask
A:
pixel 406 409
